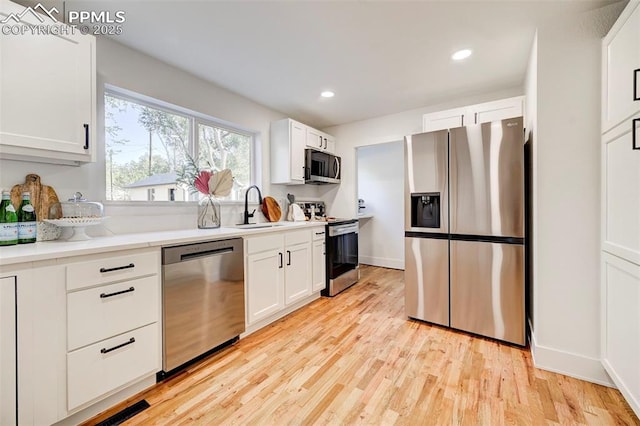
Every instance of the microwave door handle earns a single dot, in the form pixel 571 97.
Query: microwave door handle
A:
pixel 336 167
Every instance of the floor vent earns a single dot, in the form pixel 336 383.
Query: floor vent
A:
pixel 125 414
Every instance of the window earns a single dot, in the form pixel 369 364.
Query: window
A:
pixel 148 143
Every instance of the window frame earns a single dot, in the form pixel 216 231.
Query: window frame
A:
pixel 194 118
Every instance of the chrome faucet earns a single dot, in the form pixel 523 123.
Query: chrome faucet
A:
pixel 247 215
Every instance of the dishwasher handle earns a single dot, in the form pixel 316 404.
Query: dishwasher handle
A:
pixel 187 252
pixel 189 256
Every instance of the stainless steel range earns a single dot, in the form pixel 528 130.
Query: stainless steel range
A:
pixel 343 269
pixel 342 255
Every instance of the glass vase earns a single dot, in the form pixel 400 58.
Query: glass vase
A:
pixel 208 213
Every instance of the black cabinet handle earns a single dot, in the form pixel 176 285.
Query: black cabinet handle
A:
pixel 280 265
pixel 319 233
pixel 288 258
pixel 636 77
pixel 117 268
pixel 106 351
pixel 105 295
pixel 86 136
pixel 475 118
pixel 320 146
pixel 634 133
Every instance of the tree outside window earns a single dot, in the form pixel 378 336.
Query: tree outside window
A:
pixel 147 147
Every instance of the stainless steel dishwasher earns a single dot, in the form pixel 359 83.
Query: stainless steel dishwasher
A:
pixel 202 300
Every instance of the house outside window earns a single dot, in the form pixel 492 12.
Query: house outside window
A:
pixel 148 143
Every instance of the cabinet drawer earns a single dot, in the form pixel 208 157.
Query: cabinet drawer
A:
pixel 110 269
pixel 297 237
pixel 267 242
pixel 102 312
pixel 107 365
pixel 318 233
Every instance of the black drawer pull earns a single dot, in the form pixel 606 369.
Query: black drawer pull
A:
pixel 106 351
pixel 117 268
pixel 634 133
pixel 636 77
pixel 289 257
pixel 86 136
pixel 105 295
pixel 319 233
pixel 280 265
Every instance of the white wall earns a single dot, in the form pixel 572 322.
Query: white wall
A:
pixel 380 178
pixel 343 200
pixel 123 67
pixel 563 105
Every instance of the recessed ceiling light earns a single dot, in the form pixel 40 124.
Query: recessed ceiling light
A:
pixel 327 94
pixel 461 54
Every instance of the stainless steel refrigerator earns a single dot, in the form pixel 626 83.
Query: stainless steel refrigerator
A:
pixel 464 229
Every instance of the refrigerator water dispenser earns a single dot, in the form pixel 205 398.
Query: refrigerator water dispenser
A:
pixel 425 210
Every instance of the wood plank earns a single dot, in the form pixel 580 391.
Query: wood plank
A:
pixel 356 359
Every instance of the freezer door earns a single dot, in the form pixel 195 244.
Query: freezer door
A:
pixel 426 279
pixel 487 289
pixel 487 179
pixel 426 174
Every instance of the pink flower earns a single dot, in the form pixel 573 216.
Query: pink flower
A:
pixel 202 181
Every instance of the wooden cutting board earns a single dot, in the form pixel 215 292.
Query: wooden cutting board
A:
pixel 271 209
pixel 42 196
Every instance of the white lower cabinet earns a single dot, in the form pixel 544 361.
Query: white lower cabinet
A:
pixel 265 281
pixel 621 325
pixel 81 339
pixel 297 268
pixel 105 311
pixel 319 260
pixel 8 351
pixel 98 369
pixel 42 334
pixel 279 272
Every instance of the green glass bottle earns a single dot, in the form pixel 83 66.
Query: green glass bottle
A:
pixel 26 221
pixel 8 221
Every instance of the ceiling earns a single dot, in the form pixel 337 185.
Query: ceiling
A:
pixel 379 57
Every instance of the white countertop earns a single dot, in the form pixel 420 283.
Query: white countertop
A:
pixel 47 250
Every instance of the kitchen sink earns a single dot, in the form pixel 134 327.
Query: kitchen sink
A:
pixel 257 225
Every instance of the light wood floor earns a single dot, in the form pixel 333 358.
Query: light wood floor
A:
pixel 356 359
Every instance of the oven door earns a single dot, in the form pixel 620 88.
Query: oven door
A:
pixel 342 250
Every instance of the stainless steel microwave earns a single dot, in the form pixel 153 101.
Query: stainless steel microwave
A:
pixel 321 167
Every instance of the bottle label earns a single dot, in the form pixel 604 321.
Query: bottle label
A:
pixel 8 231
pixel 28 208
pixel 10 208
pixel 26 230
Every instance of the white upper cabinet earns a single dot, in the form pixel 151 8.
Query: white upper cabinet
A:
pixel 442 120
pixel 288 141
pixel 473 114
pixel 315 139
pixel 48 96
pixel 320 141
pixel 496 110
pixel 621 69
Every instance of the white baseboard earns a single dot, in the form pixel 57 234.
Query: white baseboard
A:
pixel 382 261
pixel 569 364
